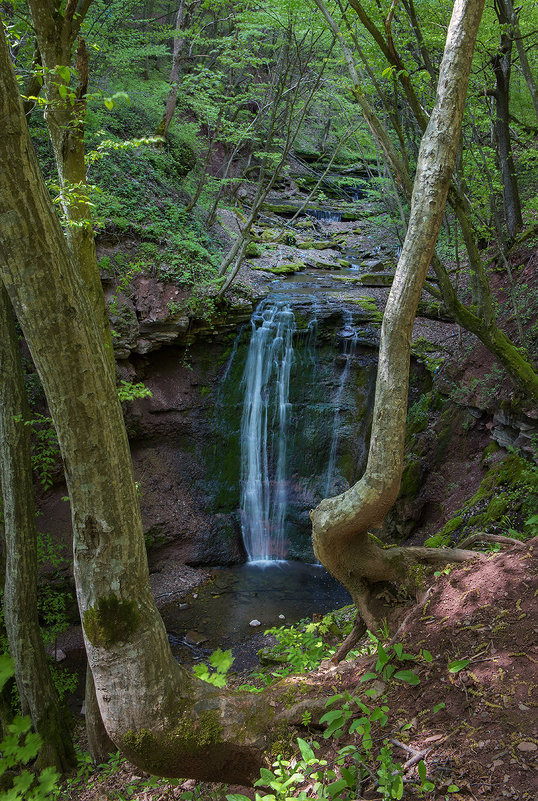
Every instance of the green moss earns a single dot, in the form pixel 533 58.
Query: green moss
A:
pixel 110 621
pixel 442 538
pixel 253 251
pixel 376 279
pixel 411 478
pixel 488 451
pixel 323 245
pixel 187 738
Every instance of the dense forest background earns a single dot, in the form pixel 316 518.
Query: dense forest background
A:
pixel 181 144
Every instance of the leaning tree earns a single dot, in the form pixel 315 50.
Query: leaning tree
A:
pixel 159 715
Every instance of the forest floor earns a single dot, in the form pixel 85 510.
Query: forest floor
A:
pixel 474 727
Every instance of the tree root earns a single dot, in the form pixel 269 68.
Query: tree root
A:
pixel 482 537
pixel 357 632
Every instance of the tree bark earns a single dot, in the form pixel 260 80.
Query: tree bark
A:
pixel 513 16
pixel 340 524
pixel 171 99
pixel 56 32
pixel 38 694
pixel 502 68
pixel 160 716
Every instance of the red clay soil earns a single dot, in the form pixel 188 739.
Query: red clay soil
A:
pixel 484 740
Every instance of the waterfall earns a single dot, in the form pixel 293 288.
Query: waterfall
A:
pixel 325 214
pixel 264 422
pixel 350 336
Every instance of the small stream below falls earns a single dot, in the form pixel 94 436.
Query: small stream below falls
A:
pixel 218 614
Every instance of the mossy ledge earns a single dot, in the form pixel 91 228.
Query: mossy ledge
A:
pixel 111 620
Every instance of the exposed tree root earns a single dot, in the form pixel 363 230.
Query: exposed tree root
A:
pixel 357 632
pixel 482 537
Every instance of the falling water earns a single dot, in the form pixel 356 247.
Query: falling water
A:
pixel 350 336
pixel 264 429
pixel 324 214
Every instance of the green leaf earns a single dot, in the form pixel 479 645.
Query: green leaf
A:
pixel 63 90
pixel 408 676
pixel 382 658
pixel 452 788
pixel 330 717
pixel 237 797
pixel 397 788
pixel 438 707
pixel 305 749
pixel 336 787
pixel 31 747
pixel 221 660
pixel 20 725
pixel 109 103
pixel 369 676
pixel 422 772
pixel 64 73
pixel 459 664
pixel 7 669
pixel 266 776
pixel 333 698
pixel 426 655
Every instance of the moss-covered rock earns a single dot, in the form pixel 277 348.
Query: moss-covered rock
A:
pixel 253 251
pixel 506 500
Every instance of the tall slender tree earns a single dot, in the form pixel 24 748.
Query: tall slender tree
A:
pixel 37 691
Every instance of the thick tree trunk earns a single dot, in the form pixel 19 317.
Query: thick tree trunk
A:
pixel 160 716
pixel 36 688
pixel 340 525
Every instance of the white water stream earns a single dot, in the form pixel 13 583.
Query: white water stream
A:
pixel 264 431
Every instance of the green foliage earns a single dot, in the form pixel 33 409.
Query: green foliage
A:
pixel 130 392
pixel 20 746
pixel 220 663
pixel 45 447
pixel 304 646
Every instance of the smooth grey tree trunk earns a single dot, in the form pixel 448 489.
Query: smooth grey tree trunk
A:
pixel 341 524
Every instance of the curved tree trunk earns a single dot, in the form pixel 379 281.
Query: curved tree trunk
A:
pixel 159 715
pixel 38 694
pixel 340 524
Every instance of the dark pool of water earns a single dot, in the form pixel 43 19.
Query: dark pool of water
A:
pixel 220 615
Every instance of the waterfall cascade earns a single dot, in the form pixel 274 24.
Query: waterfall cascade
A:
pixel 264 431
pixel 290 451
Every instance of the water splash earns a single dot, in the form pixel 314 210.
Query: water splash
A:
pixel 264 423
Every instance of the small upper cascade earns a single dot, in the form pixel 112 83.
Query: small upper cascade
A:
pixel 325 214
pixel 264 423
